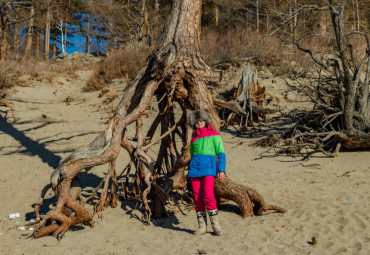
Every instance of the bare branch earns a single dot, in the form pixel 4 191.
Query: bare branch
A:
pixel 312 56
pixel 161 137
pixel 231 105
pixel 295 13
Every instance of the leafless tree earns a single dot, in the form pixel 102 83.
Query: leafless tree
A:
pixel 341 95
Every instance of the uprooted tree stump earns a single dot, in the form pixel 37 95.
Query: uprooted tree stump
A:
pixel 340 119
pixel 177 76
pixel 248 99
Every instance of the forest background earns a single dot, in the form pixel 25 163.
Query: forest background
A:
pixel 231 31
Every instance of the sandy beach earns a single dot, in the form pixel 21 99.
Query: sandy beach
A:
pixel 327 198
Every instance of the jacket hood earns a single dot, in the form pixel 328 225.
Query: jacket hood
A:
pixel 196 115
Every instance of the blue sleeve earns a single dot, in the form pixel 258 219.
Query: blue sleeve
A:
pixel 221 162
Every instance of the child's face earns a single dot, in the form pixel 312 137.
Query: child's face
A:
pixel 200 124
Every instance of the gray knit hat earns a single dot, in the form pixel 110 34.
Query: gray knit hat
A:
pixel 196 115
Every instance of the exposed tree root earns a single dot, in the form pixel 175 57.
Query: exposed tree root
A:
pixel 70 213
pixel 249 200
pixel 75 194
pixel 176 74
pixel 315 132
pixel 105 197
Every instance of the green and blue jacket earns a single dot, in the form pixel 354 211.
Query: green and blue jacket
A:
pixel 207 153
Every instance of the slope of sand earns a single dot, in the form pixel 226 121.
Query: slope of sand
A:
pixel 326 198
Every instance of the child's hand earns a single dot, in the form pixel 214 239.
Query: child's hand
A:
pixel 221 175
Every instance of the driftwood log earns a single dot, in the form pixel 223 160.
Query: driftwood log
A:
pixel 178 77
pixel 249 200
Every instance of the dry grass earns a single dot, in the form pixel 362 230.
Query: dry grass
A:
pixel 238 44
pixel 12 70
pixel 120 63
pixel 279 56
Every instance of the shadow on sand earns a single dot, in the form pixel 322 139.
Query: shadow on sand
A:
pixel 32 147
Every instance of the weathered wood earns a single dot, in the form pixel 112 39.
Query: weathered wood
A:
pixel 247 101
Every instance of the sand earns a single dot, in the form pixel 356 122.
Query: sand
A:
pixel 326 198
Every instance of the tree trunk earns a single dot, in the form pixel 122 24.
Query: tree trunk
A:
pixel 62 41
pixel 338 25
pixel 175 72
pixel 54 49
pixel 144 26
pixel 267 23
pixel 66 26
pixel 29 36
pixel 87 44
pixel 323 25
pixel 356 15
pixel 294 21
pixel 257 16
pixel 47 35
pixel 16 44
pixel 111 28
pixel 38 45
pixel 5 31
pixel 364 99
pixel 216 16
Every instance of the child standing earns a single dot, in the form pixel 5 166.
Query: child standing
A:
pixel 207 162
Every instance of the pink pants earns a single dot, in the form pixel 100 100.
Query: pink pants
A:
pixel 203 192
